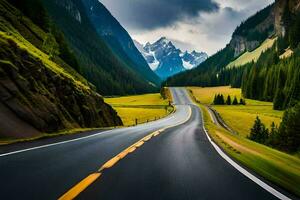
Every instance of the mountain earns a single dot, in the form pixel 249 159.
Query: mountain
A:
pixel 99 63
pixel 246 38
pixel 167 60
pixel 40 92
pixel 117 38
pixel 273 34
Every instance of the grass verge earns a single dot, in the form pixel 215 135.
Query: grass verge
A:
pixel 280 168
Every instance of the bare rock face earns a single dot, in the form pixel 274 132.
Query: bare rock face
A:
pixel 280 6
pixel 37 99
pixel 71 8
pixel 241 44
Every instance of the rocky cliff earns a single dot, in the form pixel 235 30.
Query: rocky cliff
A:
pixel 251 33
pixel 281 6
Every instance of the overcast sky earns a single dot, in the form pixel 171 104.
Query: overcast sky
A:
pixel 202 25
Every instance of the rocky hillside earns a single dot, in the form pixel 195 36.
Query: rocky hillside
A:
pixel 39 92
pixel 281 6
pixel 166 60
pixel 247 37
pixel 251 33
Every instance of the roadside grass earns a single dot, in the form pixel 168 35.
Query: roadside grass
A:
pixel 143 108
pixel 240 118
pixel 248 57
pixel 278 167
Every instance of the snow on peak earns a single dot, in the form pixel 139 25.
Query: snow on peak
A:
pixel 166 60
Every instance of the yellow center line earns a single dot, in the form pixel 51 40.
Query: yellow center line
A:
pixel 77 189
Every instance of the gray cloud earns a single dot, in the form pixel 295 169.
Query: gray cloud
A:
pixel 151 14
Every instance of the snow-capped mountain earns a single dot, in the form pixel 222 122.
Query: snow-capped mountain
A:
pixel 166 60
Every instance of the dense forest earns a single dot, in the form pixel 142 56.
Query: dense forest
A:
pixel 79 45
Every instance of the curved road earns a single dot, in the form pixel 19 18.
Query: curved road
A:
pixel 179 163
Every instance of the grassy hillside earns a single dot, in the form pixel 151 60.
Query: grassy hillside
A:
pixel 142 108
pixel 252 56
pixel 39 92
pixel 240 118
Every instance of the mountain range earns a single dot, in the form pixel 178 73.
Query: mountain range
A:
pixel 166 60
pixel 105 52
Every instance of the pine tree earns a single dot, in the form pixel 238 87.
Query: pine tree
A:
pixel 242 102
pixel 235 101
pixel 273 136
pixel 228 101
pixel 259 133
pixel 289 131
pixel 215 100
pixel 222 100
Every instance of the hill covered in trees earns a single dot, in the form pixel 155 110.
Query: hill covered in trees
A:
pixel 41 90
pixel 111 73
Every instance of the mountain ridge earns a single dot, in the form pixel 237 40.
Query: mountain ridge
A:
pixel 166 60
pixel 118 39
pixel 99 63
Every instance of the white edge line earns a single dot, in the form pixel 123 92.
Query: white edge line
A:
pixel 53 144
pixel 242 170
pixel 65 142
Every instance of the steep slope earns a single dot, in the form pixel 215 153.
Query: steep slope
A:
pixel 118 39
pixel 247 37
pixel 98 63
pixel 39 92
pixel 167 60
pixel 252 56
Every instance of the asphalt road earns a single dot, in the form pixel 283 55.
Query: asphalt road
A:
pixel 180 163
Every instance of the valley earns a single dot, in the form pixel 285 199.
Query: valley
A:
pixel 90 106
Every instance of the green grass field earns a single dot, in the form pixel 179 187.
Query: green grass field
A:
pixel 240 118
pixel 248 57
pixel 148 107
pixel 278 167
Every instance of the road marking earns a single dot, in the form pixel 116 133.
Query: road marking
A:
pixel 241 169
pixel 53 144
pixel 74 140
pixel 71 194
pixel 77 189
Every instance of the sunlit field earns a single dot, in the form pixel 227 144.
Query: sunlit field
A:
pixel 240 118
pixel 140 108
pixel 278 167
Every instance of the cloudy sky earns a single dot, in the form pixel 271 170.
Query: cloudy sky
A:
pixel 203 25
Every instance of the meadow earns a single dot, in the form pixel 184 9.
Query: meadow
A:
pixel 278 167
pixel 140 108
pixel 240 118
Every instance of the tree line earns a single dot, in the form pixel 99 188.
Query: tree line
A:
pixel 286 137
pixel 220 100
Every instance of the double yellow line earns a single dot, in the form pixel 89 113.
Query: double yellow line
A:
pixel 82 185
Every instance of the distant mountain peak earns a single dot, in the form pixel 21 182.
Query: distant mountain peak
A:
pixel 165 59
